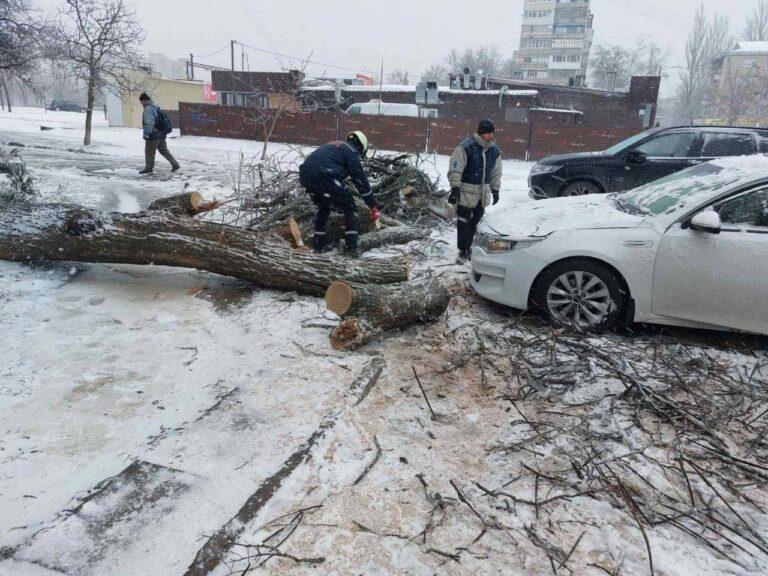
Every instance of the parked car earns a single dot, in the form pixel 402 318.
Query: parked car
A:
pixel 65 106
pixel 688 250
pixel 641 159
pixel 375 108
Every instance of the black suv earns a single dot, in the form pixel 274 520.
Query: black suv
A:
pixel 65 106
pixel 641 159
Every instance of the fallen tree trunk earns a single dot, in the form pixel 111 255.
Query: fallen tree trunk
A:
pixel 368 310
pixel 395 236
pixel 169 237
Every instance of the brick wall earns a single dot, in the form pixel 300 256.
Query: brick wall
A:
pixel 551 139
pixel 399 134
pixel 446 134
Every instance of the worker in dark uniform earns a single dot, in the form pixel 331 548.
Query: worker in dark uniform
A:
pixel 475 176
pixel 322 175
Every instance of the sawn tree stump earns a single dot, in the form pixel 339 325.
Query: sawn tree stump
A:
pixel 368 310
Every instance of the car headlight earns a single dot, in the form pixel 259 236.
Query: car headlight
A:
pixel 544 169
pixel 499 245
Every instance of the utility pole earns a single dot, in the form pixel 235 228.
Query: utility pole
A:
pixel 232 49
pixel 191 67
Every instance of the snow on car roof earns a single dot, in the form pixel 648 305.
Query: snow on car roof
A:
pixel 695 185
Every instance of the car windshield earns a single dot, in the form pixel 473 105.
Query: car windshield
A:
pixel 624 144
pixel 677 190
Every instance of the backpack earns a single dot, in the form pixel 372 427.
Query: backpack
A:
pixel 163 124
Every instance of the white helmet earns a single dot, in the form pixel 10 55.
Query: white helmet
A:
pixel 362 138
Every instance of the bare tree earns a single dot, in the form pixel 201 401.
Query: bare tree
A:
pixel 18 36
pixel 487 59
pixel 739 95
pixel 399 77
pixel 756 29
pixel 20 44
pixel 99 39
pixel 707 40
pixel 613 66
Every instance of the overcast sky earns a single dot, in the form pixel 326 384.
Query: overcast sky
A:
pixel 407 34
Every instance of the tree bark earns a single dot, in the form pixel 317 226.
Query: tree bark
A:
pixel 89 111
pixel 7 97
pixel 368 310
pixel 169 237
pixel 395 236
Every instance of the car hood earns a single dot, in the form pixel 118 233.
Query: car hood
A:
pixel 576 158
pixel 544 217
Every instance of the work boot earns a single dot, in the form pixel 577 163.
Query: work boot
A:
pixel 353 254
pixel 464 257
pixel 145 171
pixel 176 168
pixel 323 249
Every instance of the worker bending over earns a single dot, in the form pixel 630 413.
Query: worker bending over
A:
pixel 322 175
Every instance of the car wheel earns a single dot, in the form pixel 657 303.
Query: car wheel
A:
pixel 582 294
pixel 580 188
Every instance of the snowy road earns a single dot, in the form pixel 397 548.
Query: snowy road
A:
pixel 145 409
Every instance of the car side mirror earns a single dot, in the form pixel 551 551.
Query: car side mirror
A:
pixel 636 157
pixel 707 221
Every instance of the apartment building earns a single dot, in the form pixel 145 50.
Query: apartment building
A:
pixel 555 41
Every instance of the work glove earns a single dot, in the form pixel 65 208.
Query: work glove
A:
pixel 375 215
pixel 453 198
pixel 495 196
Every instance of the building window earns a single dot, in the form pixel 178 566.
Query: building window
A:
pixel 569 29
pixel 567 43
pixel 538 13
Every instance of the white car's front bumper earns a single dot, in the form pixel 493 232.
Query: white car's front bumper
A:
pixel 505 278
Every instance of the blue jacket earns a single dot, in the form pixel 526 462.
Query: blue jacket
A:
pixel 473 172
pixel 149 121
pixel 327 167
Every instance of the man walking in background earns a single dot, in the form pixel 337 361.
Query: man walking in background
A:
pixel 157 126
pixel 475 178
pixel 322 175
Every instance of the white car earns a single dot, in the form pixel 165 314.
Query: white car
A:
pixel 689 250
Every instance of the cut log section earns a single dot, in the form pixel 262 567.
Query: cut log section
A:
pixel 188 204
pixel 166 236
pixel 368 310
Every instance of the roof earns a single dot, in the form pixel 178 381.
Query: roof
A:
pixel 556 110
pixel 751 47
pixel 395 88
pixel 511 83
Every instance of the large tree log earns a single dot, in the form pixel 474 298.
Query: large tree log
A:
pixel 369 310
pixel 394 236
pixel 171 238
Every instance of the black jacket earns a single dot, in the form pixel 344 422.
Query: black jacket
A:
pixel 327 167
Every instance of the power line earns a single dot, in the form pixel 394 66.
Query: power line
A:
pixel 662 19
pixel 305 60
pixel 407 29
pixel 214 53
pixel 261 28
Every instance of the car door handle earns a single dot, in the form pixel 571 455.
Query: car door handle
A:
pixel 637 243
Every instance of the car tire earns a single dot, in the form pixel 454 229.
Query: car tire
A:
pixel 581 293
pixel 581 188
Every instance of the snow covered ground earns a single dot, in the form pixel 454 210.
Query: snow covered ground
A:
pixel 141 408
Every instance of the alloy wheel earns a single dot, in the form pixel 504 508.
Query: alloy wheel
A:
pixel 579 299
pixel 580 189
